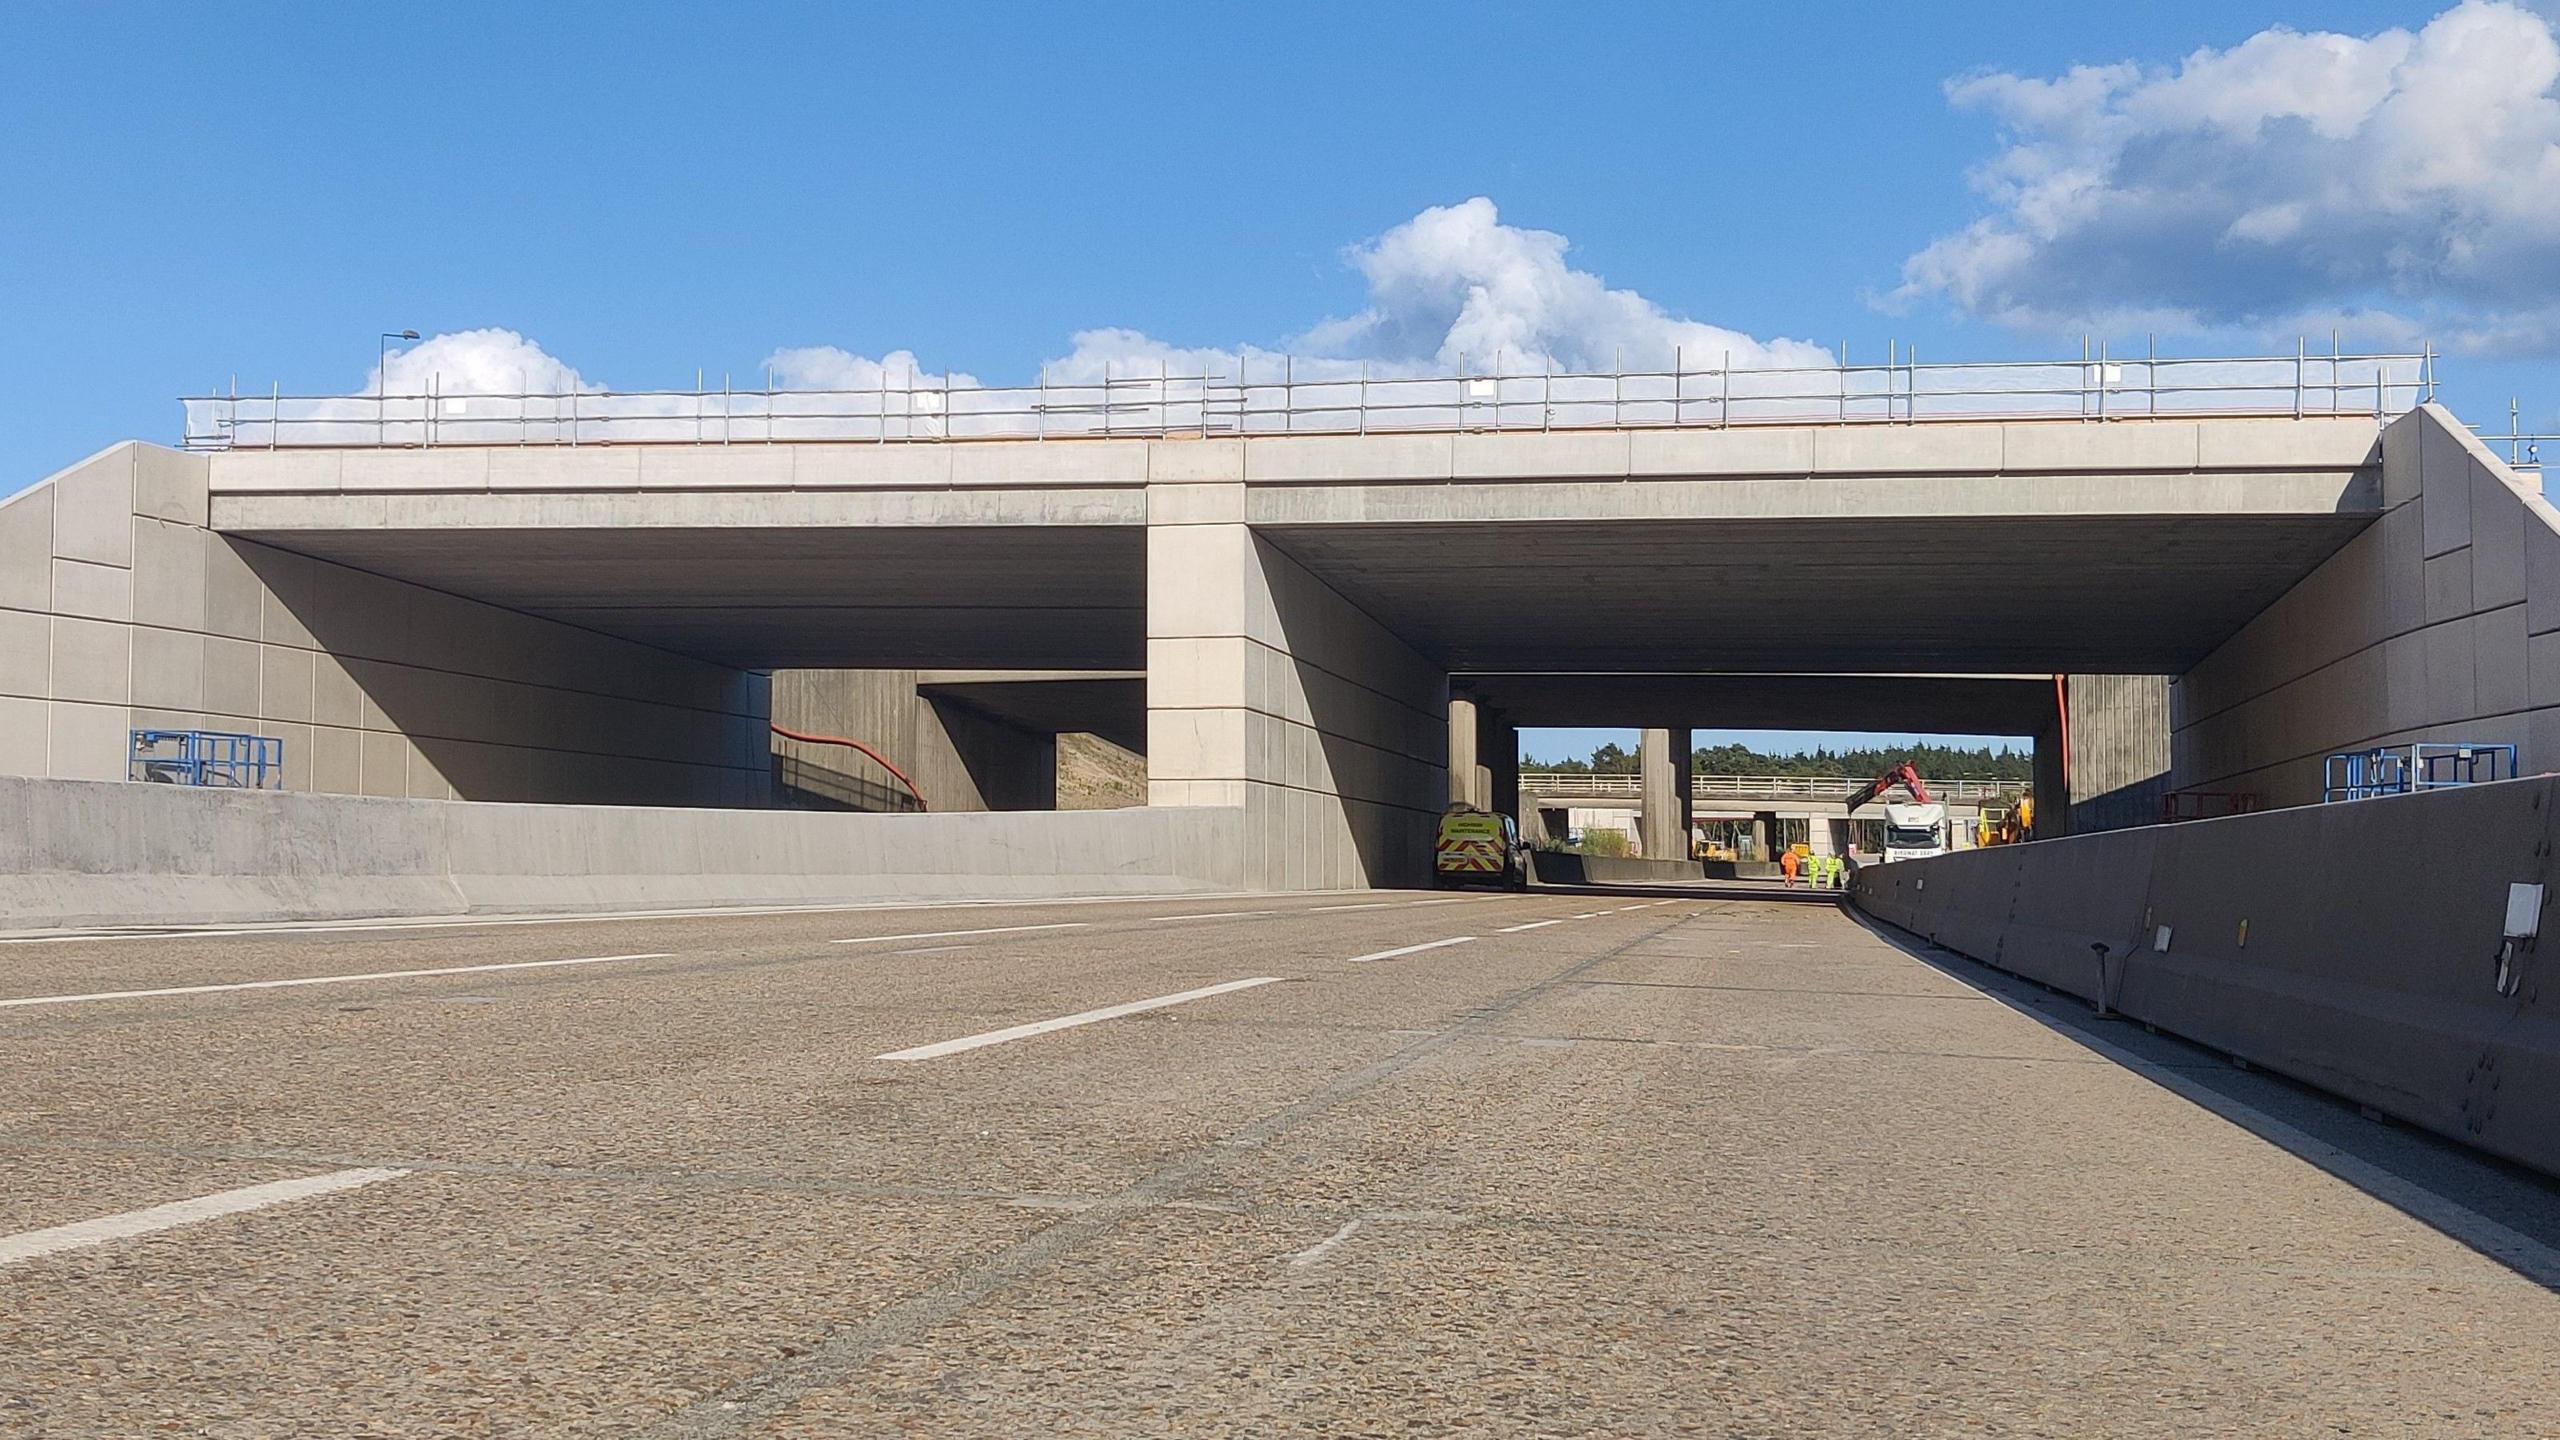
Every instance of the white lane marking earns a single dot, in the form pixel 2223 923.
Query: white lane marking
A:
pixel 1326 1246
pixel 1623 909
pixel 1204 915
pixel 472 922
pixel 1068 1022
pixel 1532 925
pixel 950 934
pixel 1412 949
pixel 1591 914
pixel 322 980
pixel 82 1234
pixel 1328 909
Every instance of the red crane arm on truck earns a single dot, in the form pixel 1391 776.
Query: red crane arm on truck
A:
pixel 1902 775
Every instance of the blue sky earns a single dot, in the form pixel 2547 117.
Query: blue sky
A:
pixel 644 190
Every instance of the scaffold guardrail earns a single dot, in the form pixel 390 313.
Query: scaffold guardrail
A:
pixel 1261 394
pixel 220 759
pixel 2411 769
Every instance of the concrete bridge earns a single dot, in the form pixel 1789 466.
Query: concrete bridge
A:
pixel 1318 631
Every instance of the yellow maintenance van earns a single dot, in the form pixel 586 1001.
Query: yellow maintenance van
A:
pixel 1479 847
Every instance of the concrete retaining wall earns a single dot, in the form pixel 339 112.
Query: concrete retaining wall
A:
pixel 2354 947
pixel 76 853
pixel 1552 867
pixel 2439 622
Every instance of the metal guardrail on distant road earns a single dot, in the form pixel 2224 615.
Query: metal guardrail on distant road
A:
pixel 1280 395
pixel 1565 785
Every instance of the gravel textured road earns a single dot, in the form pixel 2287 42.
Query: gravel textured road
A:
pixel 1554 1164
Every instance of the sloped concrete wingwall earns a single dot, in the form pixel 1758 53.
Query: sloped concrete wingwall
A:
pixel 2440 621
pixel 120 609
pixel 2356 946
pixel 83 853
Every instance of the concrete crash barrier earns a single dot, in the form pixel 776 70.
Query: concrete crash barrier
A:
pixel 2385 950
pixel 89 853
pixel 1556 867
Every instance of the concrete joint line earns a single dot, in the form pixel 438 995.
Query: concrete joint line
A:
pixel 832 1360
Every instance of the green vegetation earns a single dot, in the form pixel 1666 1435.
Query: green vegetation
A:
pixel 1935 762
pixel 1611 843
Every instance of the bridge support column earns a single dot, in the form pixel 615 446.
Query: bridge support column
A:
pixel 1498 755
pixel 1464 733
pixel 1267 690
pixel 1662 762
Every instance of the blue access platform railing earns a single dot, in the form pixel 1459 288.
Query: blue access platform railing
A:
pixel 215 758
pixel 2409 769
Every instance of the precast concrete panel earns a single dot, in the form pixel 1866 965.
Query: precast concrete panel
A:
pixel 2404 635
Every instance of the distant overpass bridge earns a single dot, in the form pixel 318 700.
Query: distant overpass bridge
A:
pixel 1573 785
pixel 1553 802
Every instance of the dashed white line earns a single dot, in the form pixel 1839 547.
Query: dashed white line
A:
pixel 321 980
pixel 1592 914
pixel 1532 925
pixel 1326 1246
pixel 954 934
pixel 1412 949
pixel 1204 915
pixel 81 1234
pixel 1068 1022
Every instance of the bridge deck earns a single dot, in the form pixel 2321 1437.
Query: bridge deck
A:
pixel 1699 1165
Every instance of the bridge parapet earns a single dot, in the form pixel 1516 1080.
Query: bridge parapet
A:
pixel 1282 395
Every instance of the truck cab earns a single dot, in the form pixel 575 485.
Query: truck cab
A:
pixel 1914 831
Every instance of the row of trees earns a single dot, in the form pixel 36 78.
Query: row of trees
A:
pixel 1934 762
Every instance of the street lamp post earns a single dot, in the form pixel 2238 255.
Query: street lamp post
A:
pixel 382 383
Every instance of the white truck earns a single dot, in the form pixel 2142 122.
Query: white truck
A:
pixel 1912 830
pixel 1915 831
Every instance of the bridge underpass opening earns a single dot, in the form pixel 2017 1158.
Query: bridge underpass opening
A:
pixel 964 653
pixel 1742 810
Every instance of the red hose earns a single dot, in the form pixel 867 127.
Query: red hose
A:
pixel 880 759
pixel 2062 712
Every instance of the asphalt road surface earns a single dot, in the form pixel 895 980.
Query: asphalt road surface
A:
pixel 1377 1164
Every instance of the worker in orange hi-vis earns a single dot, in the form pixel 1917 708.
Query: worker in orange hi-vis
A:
pixel 1787 863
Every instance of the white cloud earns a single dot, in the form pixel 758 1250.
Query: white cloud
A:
pixel 474 362
pixel 1453 289
pixel 2403 182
